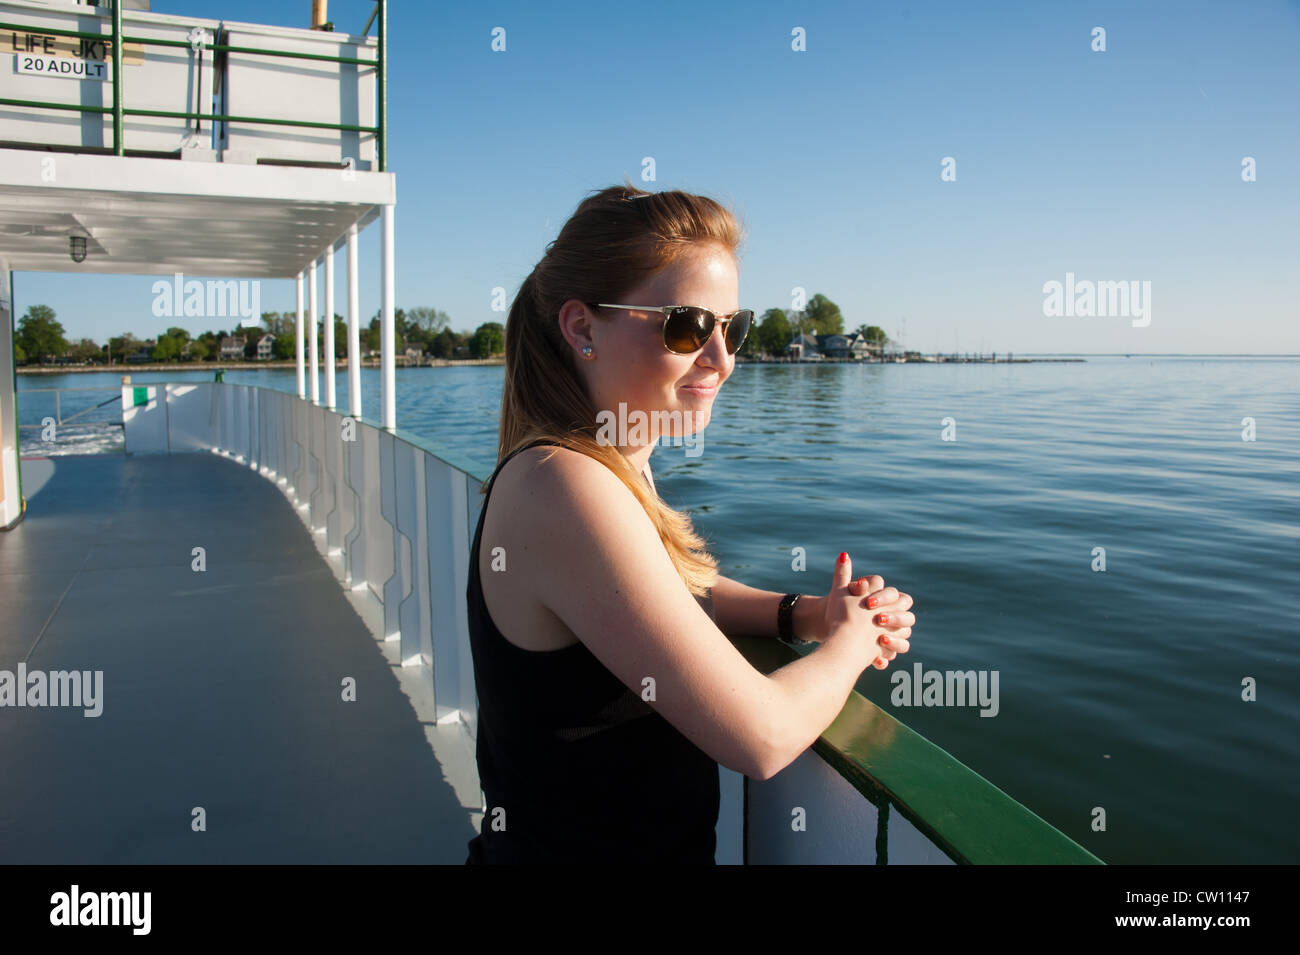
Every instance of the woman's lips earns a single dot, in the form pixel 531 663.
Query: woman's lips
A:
pixel 704 391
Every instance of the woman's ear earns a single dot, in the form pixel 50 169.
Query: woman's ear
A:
pixel 577 325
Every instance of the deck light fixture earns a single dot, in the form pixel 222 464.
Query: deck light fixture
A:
pixel 77 247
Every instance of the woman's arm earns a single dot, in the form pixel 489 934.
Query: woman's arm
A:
pixel 743 611
pixel 594 560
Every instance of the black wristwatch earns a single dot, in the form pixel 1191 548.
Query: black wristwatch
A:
pixel 785 621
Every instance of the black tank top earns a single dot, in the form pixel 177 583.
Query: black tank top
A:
pixel 575 767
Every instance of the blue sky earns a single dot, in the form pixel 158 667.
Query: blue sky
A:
pixel 1123 165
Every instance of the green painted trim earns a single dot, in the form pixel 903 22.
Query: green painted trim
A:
pixel 119 143
pixel 139 396
pixel 965 815
pixel 382 83
pixel 51 31
pixel 180 114
pixel 41 104
pixel 223 117
pixel 186 44
pixel 254 51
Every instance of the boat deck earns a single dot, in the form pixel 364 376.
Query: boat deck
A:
pixel 222 689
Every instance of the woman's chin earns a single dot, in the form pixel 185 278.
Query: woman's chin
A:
pixel 696 415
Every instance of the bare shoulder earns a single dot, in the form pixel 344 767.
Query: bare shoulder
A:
pixel 590 559
pixel 536 522
pixel 556 475
pixel 570 505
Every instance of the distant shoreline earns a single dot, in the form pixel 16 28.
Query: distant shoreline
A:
pixel 237 366
pixel 453 363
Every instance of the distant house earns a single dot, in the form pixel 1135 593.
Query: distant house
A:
pixel 264 349
pixel 836 346
pixel 412 352
pixel 872 349
pixel 803 345
pixel 853 346
pixel 232 346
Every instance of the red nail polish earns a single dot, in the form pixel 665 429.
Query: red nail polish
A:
pixel 872 601
pixel 884 619
pixel 843 558
pixel 884 641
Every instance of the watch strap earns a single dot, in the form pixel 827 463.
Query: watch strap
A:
pixel 785 620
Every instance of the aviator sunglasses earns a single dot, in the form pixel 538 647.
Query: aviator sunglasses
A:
pixel 688 328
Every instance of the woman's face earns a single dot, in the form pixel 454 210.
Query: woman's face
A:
pixel 630 364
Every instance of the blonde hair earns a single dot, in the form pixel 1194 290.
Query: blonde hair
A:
pixel 617 239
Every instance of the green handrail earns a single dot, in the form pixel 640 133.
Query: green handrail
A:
pixel 894 767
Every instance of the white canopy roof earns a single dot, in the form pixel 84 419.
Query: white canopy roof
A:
pixel 145 216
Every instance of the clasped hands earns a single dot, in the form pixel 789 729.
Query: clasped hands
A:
pixel 863 605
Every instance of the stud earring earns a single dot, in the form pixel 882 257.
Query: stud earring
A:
pixel 587 351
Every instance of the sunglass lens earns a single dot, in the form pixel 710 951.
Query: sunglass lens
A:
pixel 737 329
pixel 687 329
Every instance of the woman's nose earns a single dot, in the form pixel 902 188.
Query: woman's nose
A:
pixel 715 349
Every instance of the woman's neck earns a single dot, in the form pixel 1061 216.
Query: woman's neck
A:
pixel 639 458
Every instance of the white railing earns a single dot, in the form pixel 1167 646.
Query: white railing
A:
pixel 392 516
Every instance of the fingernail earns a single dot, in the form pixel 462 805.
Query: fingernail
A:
pixel 883 618
pixel 843 558
pixel 872 601
pixel 884 641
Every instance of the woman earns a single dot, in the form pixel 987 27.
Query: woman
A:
pixel 608 690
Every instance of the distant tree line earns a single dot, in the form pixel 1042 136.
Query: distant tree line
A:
pixel 777 327
pixel 40 338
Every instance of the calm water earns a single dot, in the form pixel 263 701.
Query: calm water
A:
pixel 1119 689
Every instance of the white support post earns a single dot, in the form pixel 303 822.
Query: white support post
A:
pixel 302 379
pixel 329 328
pixel 311 333
pixel 389 380
pixel 354 335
